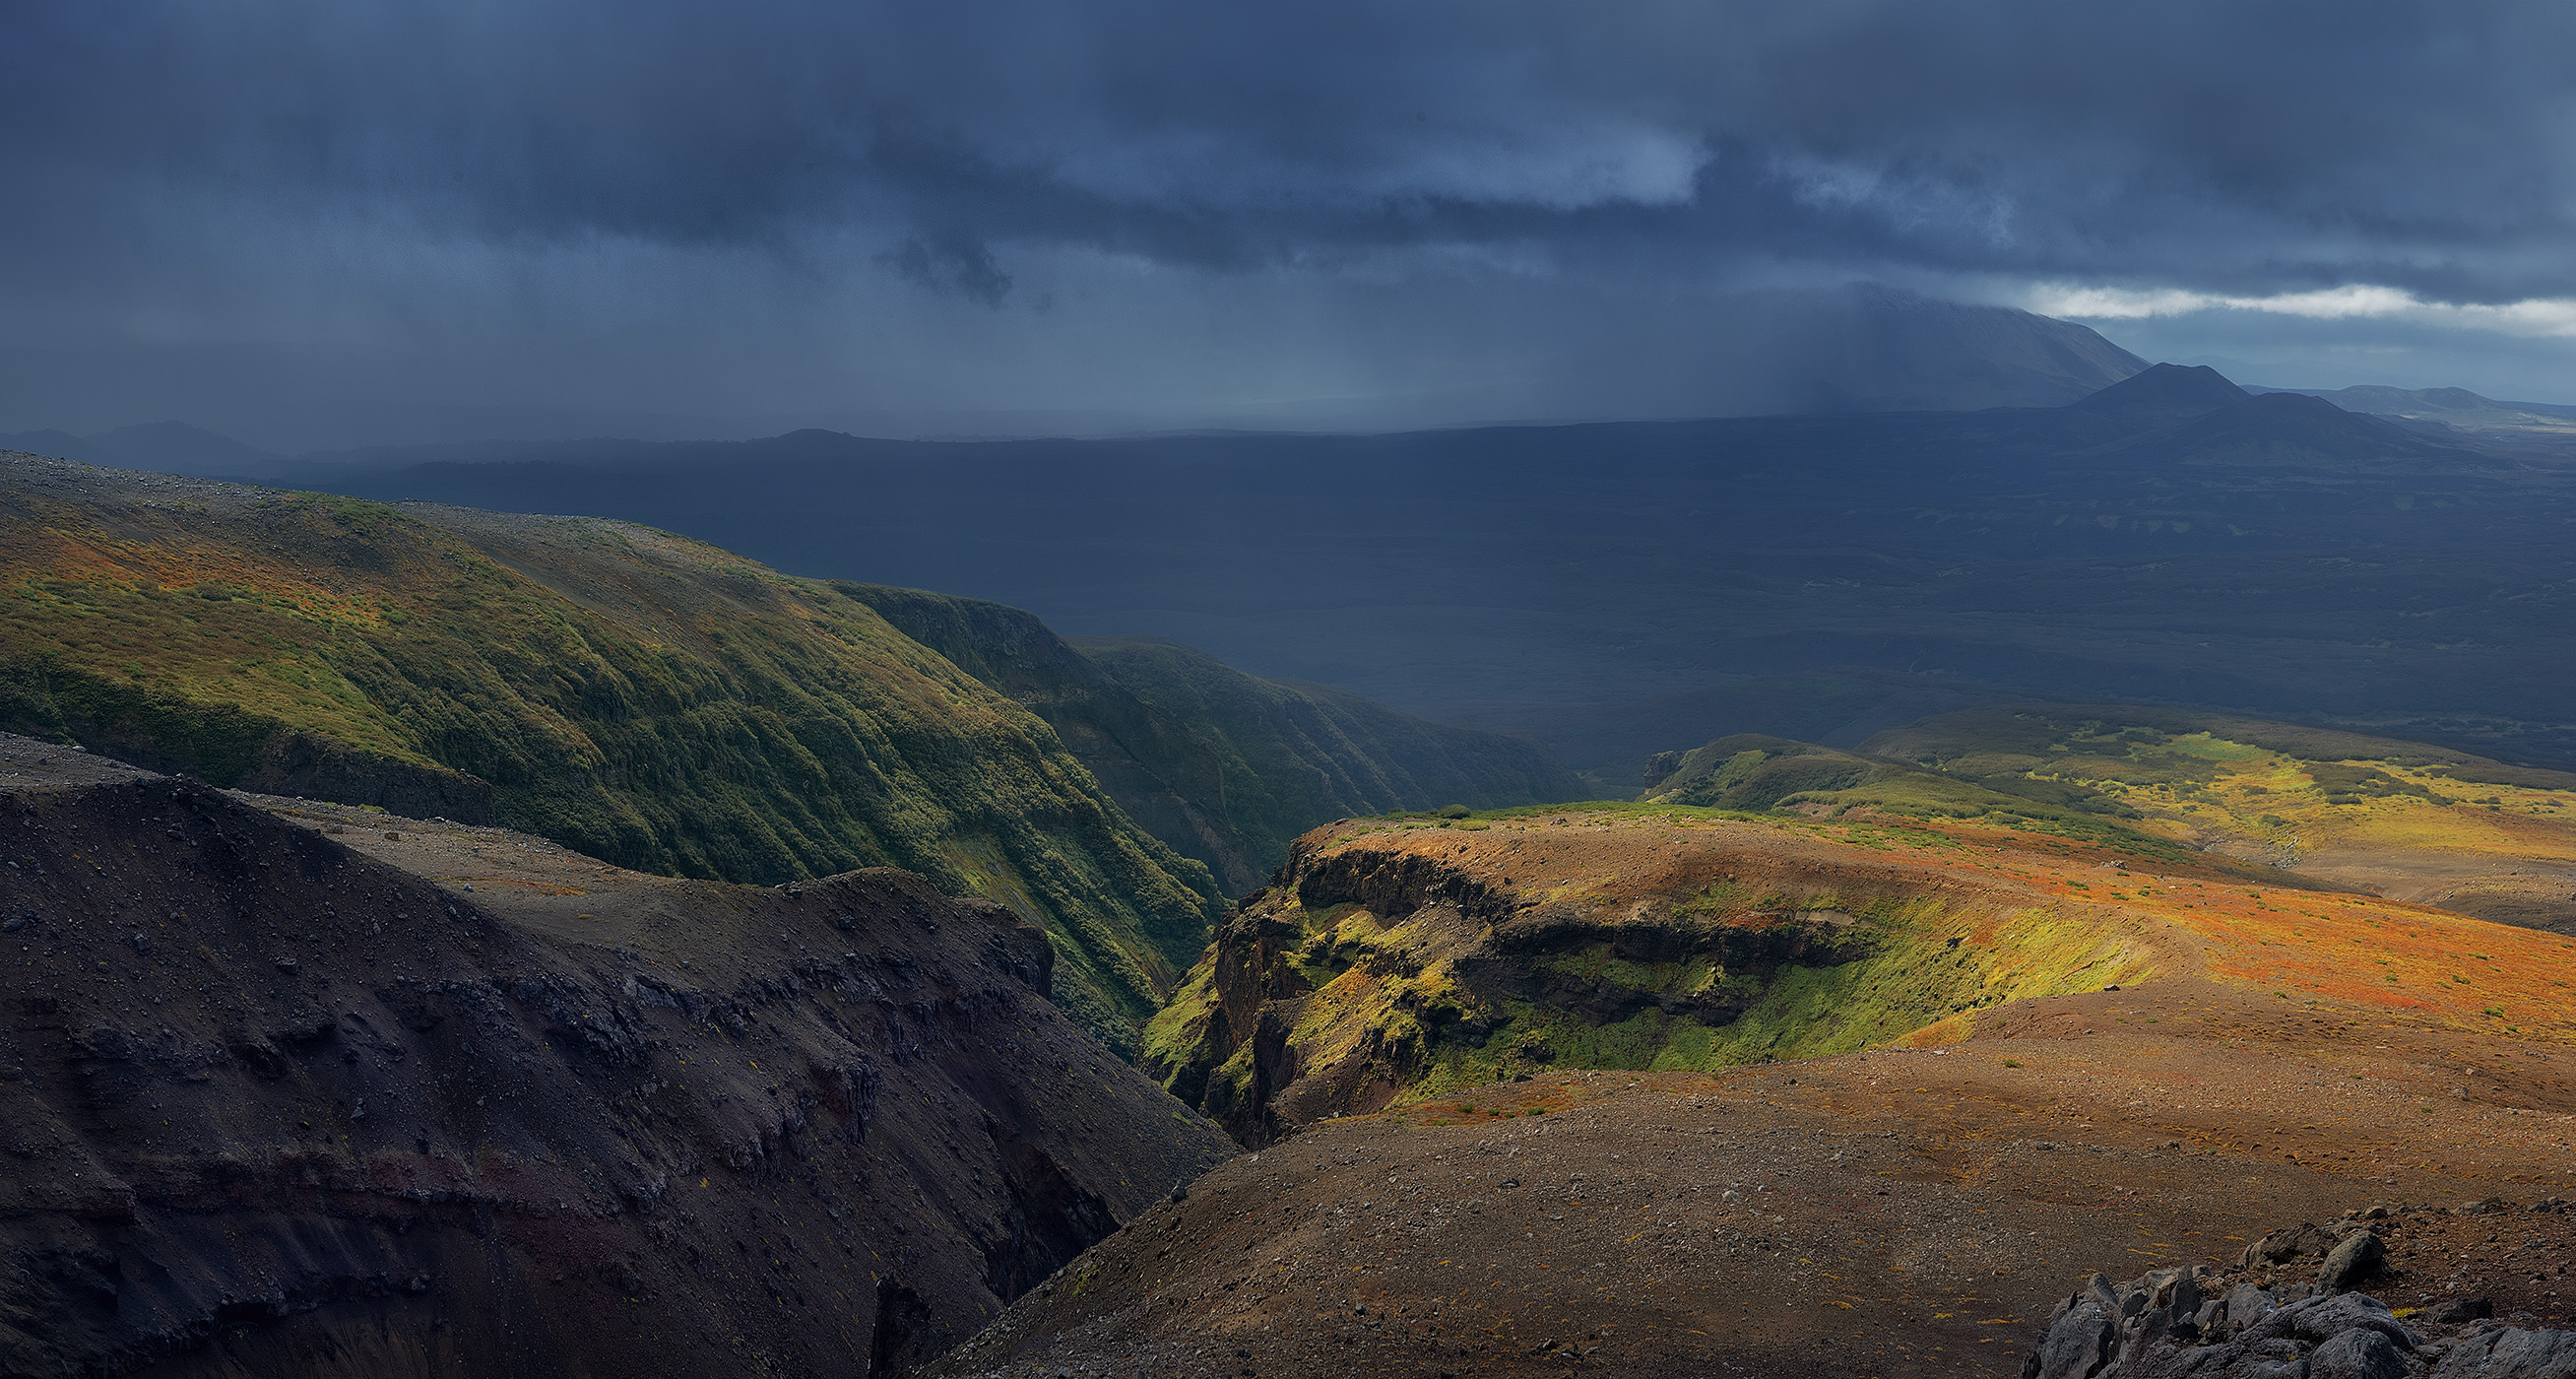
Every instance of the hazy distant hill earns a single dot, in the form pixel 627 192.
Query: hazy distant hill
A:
pixel 2277 430
pixel 1874 349
pixel 2160 395
pixel 175 447
pixel 166 447
pixel 1856 348
pixel 60 445
pixel 2455 408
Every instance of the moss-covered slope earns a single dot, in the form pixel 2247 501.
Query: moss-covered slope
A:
pixel 1402 959
pixel 1159 768
pixel 1752 771
pixel 647 699
pixel 1749 771
pixel 2408 819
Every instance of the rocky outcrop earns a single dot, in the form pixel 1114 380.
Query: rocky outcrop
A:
pixel 270 1106
pixel 2289 1310
pixel 1363 970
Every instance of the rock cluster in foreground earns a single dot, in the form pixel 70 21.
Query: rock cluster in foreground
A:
pixel 2272 1318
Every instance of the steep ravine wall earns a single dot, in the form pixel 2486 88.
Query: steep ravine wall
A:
pixel 267 1106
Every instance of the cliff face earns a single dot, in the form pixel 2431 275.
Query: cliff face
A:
pixel 1396 960
pixel 1393 961
pixel 473 1104
pixel 640 697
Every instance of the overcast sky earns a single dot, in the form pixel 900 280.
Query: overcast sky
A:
pixel 319 214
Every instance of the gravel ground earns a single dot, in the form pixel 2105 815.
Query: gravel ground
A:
pixel 1897 1212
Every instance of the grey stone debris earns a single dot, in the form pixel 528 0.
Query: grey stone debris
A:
pixel 2200 1323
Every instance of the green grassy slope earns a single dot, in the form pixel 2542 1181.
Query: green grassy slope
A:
pixel 1753 771
pixel 1291 755
pixel 1163 771
pixel 1749 771
pixel 644 698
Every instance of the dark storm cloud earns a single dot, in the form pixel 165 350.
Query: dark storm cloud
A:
pixel 262 213
pixel 2238 146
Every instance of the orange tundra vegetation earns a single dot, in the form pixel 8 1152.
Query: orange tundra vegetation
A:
pixel 2359 949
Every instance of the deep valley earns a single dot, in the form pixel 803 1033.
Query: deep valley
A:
pixel 449 941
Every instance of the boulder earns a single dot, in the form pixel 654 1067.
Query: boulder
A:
pixel 2318 1320
pixel 2077 1347
pixel 2246 1305
pixel 2511 1353
pixel 2360 1353
pixel 2356 1257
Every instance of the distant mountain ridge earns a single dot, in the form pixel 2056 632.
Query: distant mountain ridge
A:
pixel 2276 429
pixel 2119 547
pixel 2154 542
pixel 1854 347
pixel 167 447
pixel 2455 409
pixel 1898 352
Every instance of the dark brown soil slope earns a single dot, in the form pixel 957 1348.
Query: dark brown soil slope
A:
pixel 1903 1212
pixel 272 1106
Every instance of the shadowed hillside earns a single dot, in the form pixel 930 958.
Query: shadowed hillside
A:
pixel 1290 754
pixel 1225 767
